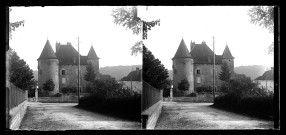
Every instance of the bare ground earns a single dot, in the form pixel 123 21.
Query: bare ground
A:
pixel 65 116
pixel 201 116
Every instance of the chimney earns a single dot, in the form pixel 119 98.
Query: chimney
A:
pixel 192 45
pixel 57 46
pixel 68 43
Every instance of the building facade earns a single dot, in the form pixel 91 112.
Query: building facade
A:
pixel 196 65
pixel 62 66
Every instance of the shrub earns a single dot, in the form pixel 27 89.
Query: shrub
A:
pixel 203 88
pixel 122 102
pixel 184 85
pixel 58 95
pixel 49 85
pixel 67 90
pixel 178 93
pixel 193 94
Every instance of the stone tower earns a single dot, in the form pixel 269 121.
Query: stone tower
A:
pixel 228 58
pixel 183 67
pixel 93 59
pixel 48 66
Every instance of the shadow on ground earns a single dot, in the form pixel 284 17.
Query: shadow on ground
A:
pixel 119 114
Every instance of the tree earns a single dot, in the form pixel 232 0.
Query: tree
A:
pixel 127 17
pixel 263 15
pixel 225 73
pixel 154 72
pixel 49 85
pixel 184 85
pixel 90 74
pixel 20 73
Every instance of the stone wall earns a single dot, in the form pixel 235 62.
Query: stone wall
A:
pixel 63 99
pixel 16 115
pixel 206 75
pixel 151 115
pixel 71 76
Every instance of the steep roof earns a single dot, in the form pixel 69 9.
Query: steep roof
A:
pixel 68 55
pixel 92 54
pixel 182 51
pixel 48 52
pixel 202 54
pixel 226 53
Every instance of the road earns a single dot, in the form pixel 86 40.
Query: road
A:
pixel 65 116
pixel 201 116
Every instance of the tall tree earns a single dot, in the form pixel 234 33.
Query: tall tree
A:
pixel 263 15
pixel 153 71
pixel 20 73
pixel 127 17
pixel 225 74
pixel 90 74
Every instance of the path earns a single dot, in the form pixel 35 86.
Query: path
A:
pixel 65 116
pixel 184 115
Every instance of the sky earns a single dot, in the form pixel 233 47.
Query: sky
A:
pixel 247 42
pixel 93 25
pixel 229 25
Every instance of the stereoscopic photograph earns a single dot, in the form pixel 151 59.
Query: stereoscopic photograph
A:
pixel 142 68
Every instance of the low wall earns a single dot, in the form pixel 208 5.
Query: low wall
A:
pixel 199 98
pixel 63 99
pixel 16 115
pixel 150 116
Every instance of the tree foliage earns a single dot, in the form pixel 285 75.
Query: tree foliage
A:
pixel 154 72
pixel 49 85
pixel 263 16
pixel 14 25
pixel 127 17
pixel 20 73
pixel 184 85
pixel 225 73
pixel 90 73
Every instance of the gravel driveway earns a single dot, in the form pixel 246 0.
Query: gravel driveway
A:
pixel 65 116
pixel 183 115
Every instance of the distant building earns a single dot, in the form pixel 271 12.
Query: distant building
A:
pixel 133 76
pixel 266 80
pixel 133 80
pixel 62 66
pixel 196 65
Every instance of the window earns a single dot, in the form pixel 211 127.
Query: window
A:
pixel 63 80
pixel 63 72
pixel 40 71
pixel 175 71
pixel 198 71
pixel 198 79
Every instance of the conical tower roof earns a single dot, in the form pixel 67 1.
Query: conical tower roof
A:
pixel 92 54
pixel 226 53
pixel 183 51
pixel 48 52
